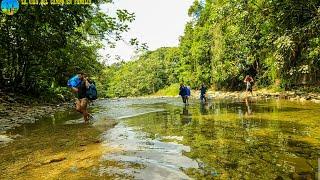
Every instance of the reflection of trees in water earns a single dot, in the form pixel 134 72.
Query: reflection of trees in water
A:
pixel 257 148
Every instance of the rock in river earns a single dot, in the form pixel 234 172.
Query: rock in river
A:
pixel 4 139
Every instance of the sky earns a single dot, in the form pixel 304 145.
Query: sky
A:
pixel 159 23
pixel 7 4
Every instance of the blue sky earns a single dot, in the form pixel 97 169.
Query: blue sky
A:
pixel 159 23
pixel 7 4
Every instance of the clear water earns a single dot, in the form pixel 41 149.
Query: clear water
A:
pixel 161 139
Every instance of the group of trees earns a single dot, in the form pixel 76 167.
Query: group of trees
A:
pixel 275 41
pixel 41 46
pixel 152 71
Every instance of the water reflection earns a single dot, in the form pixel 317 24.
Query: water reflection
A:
pixel 160 139
pixel 249 111
pixel 185 117
pixel 243 139
pixel 204 107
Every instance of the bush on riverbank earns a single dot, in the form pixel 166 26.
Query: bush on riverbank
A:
pixel 172 90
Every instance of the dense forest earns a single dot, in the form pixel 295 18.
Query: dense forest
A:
pixel 41 46
pixel 275 41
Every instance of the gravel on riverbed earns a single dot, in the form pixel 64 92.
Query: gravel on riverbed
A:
pixel 15 114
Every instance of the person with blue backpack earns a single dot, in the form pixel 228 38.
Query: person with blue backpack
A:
pixel 188 91
pixel 183 93
pixel 84 92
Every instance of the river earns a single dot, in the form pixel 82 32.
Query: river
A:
pixel 160 138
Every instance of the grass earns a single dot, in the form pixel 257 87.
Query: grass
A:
pixel 172 90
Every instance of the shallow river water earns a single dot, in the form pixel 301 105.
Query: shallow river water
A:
pixel 159 138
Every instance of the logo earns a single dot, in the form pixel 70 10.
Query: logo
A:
pixel 9 7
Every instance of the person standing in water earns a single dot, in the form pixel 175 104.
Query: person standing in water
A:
pixel 188 90
pixel 248 80
pixel 203 91
pixel 183 93
pixel 79 85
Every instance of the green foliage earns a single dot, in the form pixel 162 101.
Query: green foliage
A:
pixel 146 75
pixel 276 42
pixel 41 46
pixel 172 90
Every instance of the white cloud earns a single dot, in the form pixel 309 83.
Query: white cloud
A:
pixel 159 23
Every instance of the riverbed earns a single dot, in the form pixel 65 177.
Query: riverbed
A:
pixel 160 138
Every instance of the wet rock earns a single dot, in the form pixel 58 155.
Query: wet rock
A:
pixel 299 93
pixel 5 139
pixel 294 98
pixel 302 99
pixel 315 101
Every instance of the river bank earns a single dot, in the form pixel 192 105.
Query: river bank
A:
pixel 16 110
pixel 54 148
pixel 263 94
pixel 298 96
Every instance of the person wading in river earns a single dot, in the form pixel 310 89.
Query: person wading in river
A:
pixel 188 91
pixel 79 85
pixel 203 91
pixel 183 93
pixel 248 80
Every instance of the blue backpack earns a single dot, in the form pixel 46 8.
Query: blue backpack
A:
pixel 74 81
pixel 92 93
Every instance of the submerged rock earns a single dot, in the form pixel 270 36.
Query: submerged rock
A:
pixel 5 139
pixel 74 169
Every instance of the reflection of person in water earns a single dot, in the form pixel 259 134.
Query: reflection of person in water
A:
pixel 185 116
pixel 249 111
pixel 204 108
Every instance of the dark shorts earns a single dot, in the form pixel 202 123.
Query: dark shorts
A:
pixel 81 95
pixel 203 97
pixel 184 98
